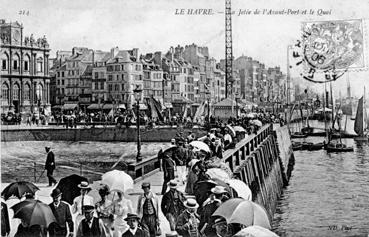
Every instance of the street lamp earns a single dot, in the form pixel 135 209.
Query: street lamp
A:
pixel 208 94
pixel 137 93
pixel 237 96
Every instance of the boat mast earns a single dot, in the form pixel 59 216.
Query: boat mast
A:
pixel 333 120
pixel 325 119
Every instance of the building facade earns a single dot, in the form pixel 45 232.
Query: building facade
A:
pixel 25 79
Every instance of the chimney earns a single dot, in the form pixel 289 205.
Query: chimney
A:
pixel 171 53
pixel 135 53
pixel 93 57
pixel 114 51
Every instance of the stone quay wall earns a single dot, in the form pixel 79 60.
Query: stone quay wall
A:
pixel 96 134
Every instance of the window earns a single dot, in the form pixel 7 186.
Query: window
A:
pixel 26 68
pixel 116 87
pixel 96 86
pixel 62 82
pixel 117 67
pixel 39 65
pixel 110 77
pixel 4 64
pixel 15 64
pixel 122 87
pixel 102 85
pixel 96 75
pixel 5 92
pixel 62 74
pixel 58 82
pixel 39 94
pixel 110 87
pixel 110 68
pixel 16 92
pixel 62 91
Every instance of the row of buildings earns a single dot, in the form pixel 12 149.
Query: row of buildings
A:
pixel 180 78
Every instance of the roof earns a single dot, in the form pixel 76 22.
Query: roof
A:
pixel 226 102
pixel 123 56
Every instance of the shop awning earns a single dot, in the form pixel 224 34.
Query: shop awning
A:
pixel 106 106
pixel 70 106
pixel 57 107
pixel 168 105
pixel 143 107
pixel 94 106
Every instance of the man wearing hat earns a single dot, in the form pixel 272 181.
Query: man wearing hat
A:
pixel 81 201
pixel 90 226
pixel 148 209
pixel 180 157
pixel 172 204
pixel 188 222
pixel 221 227
pixel 134 230
pixel 168 166
pixel 209 207
pixel 62 215
pixel 50 165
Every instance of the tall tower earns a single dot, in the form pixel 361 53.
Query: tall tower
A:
pixel 228 48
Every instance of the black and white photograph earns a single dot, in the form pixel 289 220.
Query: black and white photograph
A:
pixel 184 118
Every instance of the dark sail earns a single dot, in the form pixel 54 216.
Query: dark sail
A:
pixel 359 121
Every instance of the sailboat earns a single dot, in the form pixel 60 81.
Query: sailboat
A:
pixel 331 145
pixel 360 123
pixel 298 134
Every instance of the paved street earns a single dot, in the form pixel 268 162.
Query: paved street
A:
pixel 156 181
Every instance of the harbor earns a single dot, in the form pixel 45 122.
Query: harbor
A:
pixel 184 118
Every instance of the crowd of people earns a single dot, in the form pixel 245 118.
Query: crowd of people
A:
pixel 189 213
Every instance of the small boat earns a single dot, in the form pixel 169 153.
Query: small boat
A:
pixel 316 146
pixel 306 145
pixel 296 146
pixel 298 135
pixel 338 147
pixel 307 130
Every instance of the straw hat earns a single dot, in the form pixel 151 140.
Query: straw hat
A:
pixel 84 185
pixel 191 203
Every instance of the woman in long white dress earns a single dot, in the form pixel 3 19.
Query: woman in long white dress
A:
pixel 120 208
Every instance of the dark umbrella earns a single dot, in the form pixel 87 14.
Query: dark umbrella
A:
pixel 202 189
pixel 18 189
pixel 34 212
pixel 69 187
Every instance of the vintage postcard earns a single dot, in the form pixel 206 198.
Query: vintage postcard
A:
pixel 252 113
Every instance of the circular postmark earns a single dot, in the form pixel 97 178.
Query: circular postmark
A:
pixel 329 47
pixel 332 44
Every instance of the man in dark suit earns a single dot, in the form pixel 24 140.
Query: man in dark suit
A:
pixel 50 165
pixel 134 230
pixel 90 226
pixel 168 168
pixel 172 204
pixel 62 215
pixel 5 225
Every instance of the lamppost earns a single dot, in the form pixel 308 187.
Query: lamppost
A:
pixel 208 94
pixel 137 93
pixel 237 97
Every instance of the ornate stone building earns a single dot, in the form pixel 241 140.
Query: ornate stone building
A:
pixel 25 80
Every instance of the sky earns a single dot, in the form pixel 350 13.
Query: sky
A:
pixel 152 25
